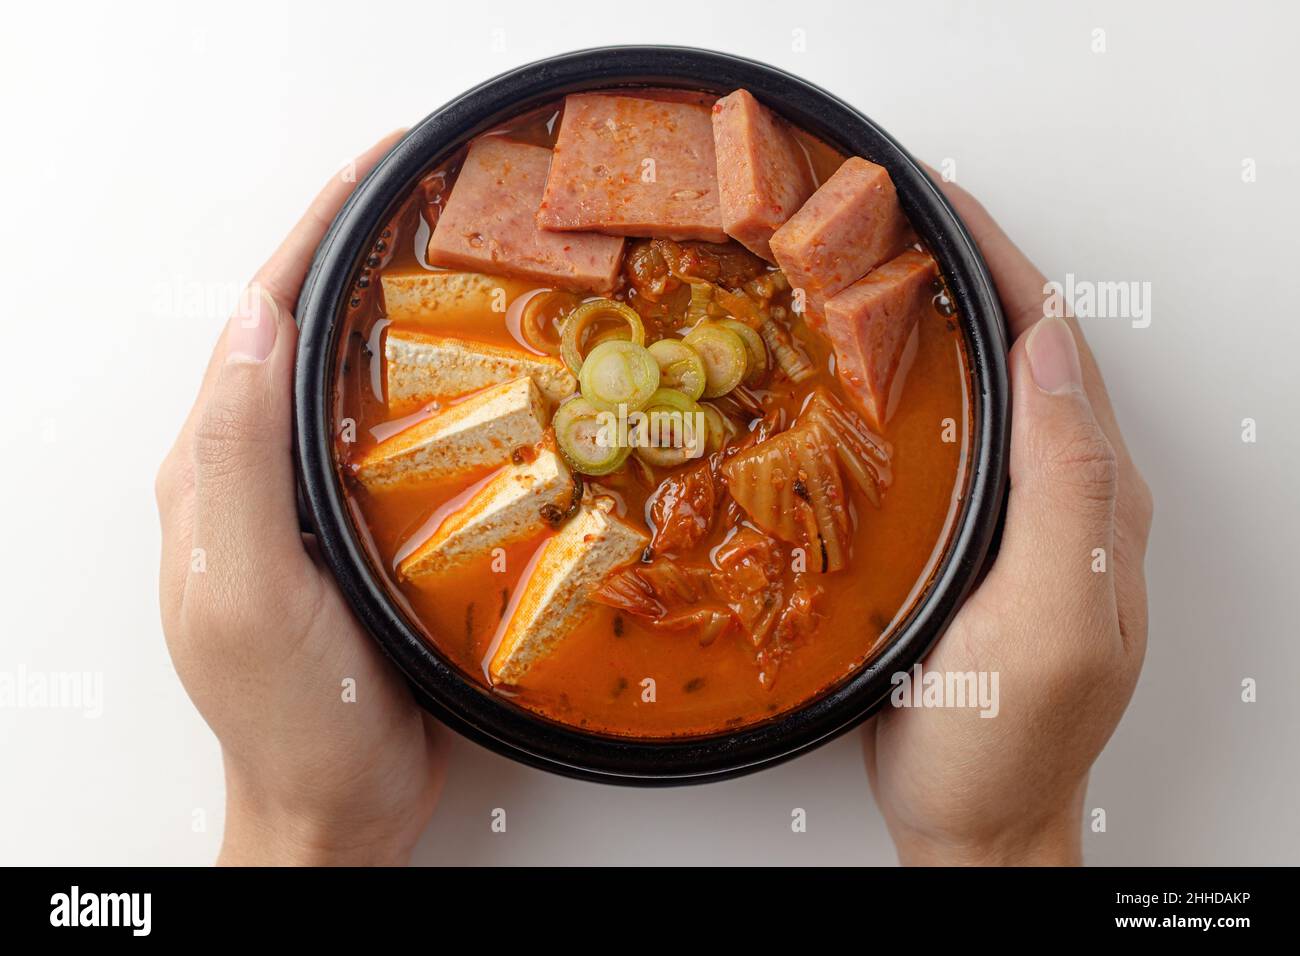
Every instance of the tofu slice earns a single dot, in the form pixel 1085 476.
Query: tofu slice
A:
pixel 437 297
pixel 478 433
pixel 421 367
pixel 511 507
pixel 555 598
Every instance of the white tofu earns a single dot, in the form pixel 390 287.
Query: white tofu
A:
pixel 508 509
pixel 477 433
pixel 435 297
pixel 422 367
pixel 555 598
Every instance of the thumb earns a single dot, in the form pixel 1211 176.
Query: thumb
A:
pixel 245 514
pixel 1059 532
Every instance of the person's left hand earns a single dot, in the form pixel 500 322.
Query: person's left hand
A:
pixel 260 636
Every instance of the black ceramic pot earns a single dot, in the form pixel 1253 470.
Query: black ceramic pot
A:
pixel 492 720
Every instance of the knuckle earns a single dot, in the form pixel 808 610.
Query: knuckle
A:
pixel 1084 459
pixel 228 427
pixel 217 437
pixel 1026 316
pixel 215 607
pixel 233 607
pixel 1079 676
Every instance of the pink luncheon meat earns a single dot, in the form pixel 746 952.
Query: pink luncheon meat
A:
pixel 869 324
pixel 634 167
pixel 851 224
pixel 763 174
pixel 489 223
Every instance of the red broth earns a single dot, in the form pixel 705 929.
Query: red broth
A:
pixel 615 672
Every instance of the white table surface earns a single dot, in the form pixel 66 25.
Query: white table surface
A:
pixel 153 159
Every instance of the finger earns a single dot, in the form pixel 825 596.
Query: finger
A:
pixel 245 518
pixel 284 272
pixel 1019 283
pixel 1060 523
pixel 281 277
pixel 1020 286
pixel 174 493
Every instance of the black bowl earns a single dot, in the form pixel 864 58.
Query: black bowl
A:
pixel 489 718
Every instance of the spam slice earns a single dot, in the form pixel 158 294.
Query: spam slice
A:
pixel 763 175
pixel 849 226
pixel 479 432
pixel 634 167
pixel 555 597
pixel 421 367
pixel 432 297
pixel 519 502
pixel 489 223
pixel 869 324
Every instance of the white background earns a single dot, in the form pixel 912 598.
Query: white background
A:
pixel 153 159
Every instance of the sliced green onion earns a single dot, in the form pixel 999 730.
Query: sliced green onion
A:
pixel 588 439
pixel 724 357
pixel 613 334
pixel 701 300
pixel 676 417
pixel 680 366
pixel 767 285
pixel 717 430
pixel 672 399
pixel 585 316
pixel 618 373
pixel 755 350
pixel 790 359
pixel 543 311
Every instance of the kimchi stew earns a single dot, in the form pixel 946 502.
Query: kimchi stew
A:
pixel 653 411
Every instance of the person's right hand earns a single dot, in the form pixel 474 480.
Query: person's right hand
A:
pixel 1066 640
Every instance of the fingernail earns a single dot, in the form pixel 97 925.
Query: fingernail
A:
pixel 251 333
pixel 1053 357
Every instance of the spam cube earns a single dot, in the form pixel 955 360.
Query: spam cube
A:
pixel 516 504
pixel 634 167
pixel 444 296
pixel 554 599
pixel 479 432
pixel 420 367
pixel 489 223
pixel 869 324
pixel 763 174
pixel 851 224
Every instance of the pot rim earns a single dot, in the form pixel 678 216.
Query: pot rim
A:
pixel 494 721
